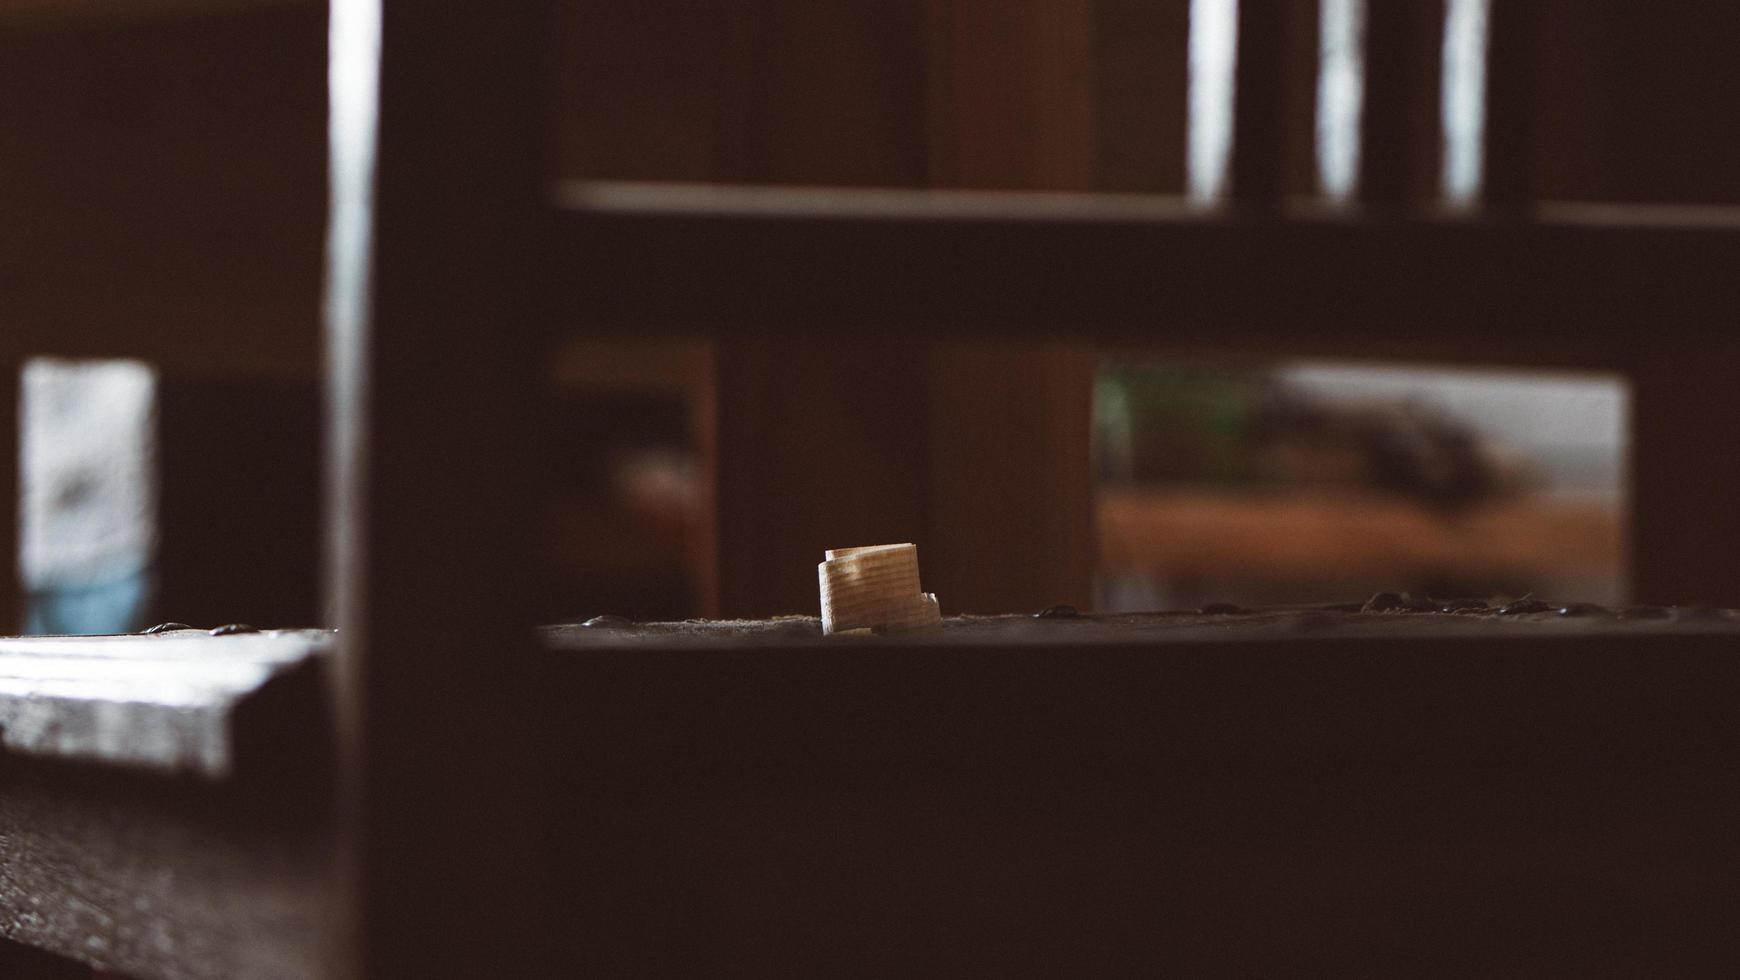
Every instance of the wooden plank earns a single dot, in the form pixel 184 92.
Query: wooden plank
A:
pixel 1582 285
pixel 1013 106
pixel 746 785
pixel 1141 80
pixel 1397 151
pixel 437 140
pixel 1011 99
pixel 165 880
pixel 1261 802
pixel 168 703
pixel 1514 48
pixel 1685 476
pixel 823 94
pixel 819 445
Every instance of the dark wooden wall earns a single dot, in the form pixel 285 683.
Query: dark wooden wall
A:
pixel 162 178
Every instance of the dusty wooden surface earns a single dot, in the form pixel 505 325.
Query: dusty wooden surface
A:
pixel 167 702
pixel 164 801
pixel 1002 794
pixel 157 878
pixel 1156 631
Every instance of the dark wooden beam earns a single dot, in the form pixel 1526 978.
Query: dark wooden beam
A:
pixel 438 133
pixel 1580 286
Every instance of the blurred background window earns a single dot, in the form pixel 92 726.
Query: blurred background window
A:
pixel 1308 482
pixel 88 494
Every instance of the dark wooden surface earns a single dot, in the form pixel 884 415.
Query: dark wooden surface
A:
pixel 166 803
pixel 165 879
pixel 1407 801
pixel 1292 790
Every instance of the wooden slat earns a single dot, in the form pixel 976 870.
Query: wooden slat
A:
pixel 433 374
pixel 1020 113
pixel 781 800
pixel 1583 285
pixel 1258 167
pixel 1400 39
pixel 1513 60
pixel 1685 475
pixel 11 589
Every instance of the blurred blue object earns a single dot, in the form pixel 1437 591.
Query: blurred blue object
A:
pixel 115 606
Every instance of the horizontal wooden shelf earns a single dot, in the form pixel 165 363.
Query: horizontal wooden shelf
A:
pixel 1578 285
pixel 165 703
pixel 1121 792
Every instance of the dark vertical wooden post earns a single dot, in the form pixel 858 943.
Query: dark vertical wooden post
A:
pixel 11 591
pixel 1685 490
pixel 437 173
pixel 1399 116
pixel 1009 504
pixel 1513 58
pixel 1258 167
pixel 820 444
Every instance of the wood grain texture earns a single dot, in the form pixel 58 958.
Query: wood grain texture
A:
pixel 165 879
pixel 1012 105
pixel 170 703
